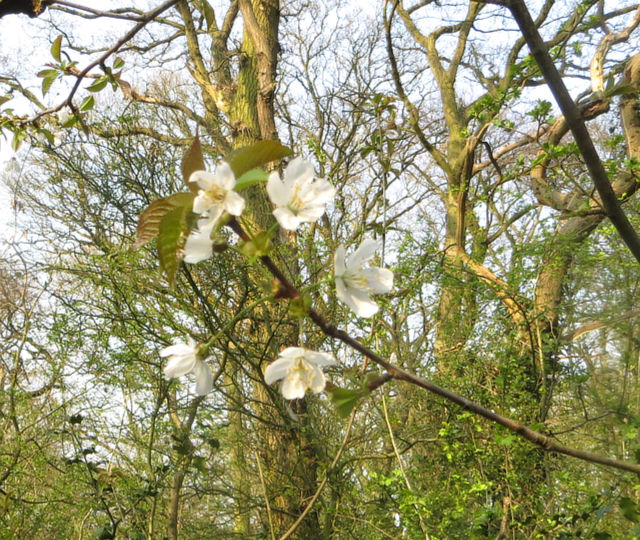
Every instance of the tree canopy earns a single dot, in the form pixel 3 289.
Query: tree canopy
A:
pixel 321 270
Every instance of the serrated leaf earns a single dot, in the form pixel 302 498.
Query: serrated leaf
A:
pixel 255 155
pixel 118 63
pixel 55 48
pixel 47 73
pixel 99 84
pixel 209 16
pixel 192 161
pixel 344 400
pixel 149 222
pixel 47 82
pixel 171 238
pixel 254 176
pixel 87 104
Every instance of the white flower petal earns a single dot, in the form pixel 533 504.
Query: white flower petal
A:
pixel 204 378
pixel 365 251
pixel 234 203
pixel 201 203
pixel 318 382
pixel 225 177
pixel 311 213
pixel 276 190
pixel 379 280
pixel 179 365
pixel 360 303
pixel 198 246
pixel 325 192
pixel 292 388
pixel 204 179
pixel 298 170
pixel 320 358
pixel 180 349
pixel 293 352
pixel 286 218
pixel 277 370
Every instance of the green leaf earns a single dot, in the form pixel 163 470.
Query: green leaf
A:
pixel 299 307
pixel 55 48
pixel 255 155
pixel 118 63
pixel 254 176
pixel 171 237
pixel 192 161
pixel 18 137
pixel 71 121
pixel 48 76
pixel 149 222
pixel 344 400
pixel 629 509
pixel 87 104
pixel 99 84
pixel 209 16
pixel 47 135
pixel 47 82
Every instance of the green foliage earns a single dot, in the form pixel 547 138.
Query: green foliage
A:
pixel 258 154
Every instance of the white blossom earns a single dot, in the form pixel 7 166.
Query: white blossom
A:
pixel 354 283
pixel 198 246
pixel 298 197
pixel 299 370
pixel 183 360
pixel 216 193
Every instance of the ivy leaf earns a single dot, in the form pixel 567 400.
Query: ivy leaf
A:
pixel 149 222
pixel 255 155
pixel 344 399
pixel 55 48
pixel 171 238
pixel 254 176
pixel 192 161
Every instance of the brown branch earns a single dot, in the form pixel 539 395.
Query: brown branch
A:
pixel 144 20
pixel 574 120
pixel 288 290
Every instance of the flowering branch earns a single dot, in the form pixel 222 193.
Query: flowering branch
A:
pixel 288 290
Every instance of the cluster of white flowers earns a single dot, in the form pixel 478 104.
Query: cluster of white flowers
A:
pixel 215 197
pixel 298 198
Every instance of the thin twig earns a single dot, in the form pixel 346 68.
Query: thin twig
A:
pixel 288 290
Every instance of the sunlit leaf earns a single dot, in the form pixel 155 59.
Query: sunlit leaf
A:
pixel 254 176
pixel 344 400
pixel 55 48
pixel 209 16
pixel 99 84
pixel 191 162
pixel 87 104
pixel 171 237
pixel 149 222
pixel 255 155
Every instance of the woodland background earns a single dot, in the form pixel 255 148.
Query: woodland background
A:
pixel 431 118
